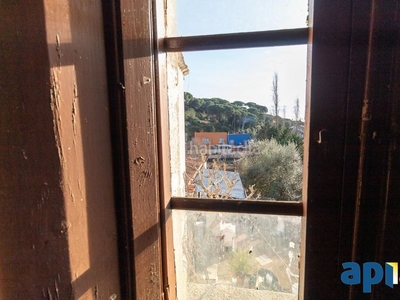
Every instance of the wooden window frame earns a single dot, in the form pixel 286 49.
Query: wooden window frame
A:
pixel 271 38
pixel 242 40
pixel 136 62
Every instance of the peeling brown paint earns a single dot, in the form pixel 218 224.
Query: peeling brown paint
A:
pixel 64 227
pixel 59 151
pixel 58 49
pixel 96 292
pixel 146 80
pixel 139 160
pixel 24 154
pixel 74 100
pixel 55 98
pixel 150 119
pixel 57 295
pixel 147 173
pixel 49 294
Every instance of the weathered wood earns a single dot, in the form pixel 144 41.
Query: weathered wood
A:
pixel 79 101
pixel 33 250
pixel 284 37
pixel 377 217
pixel 57 205
pixel 331 37
pixel 139 78
pixel 122 192
pixel 169 272
pixel 286 208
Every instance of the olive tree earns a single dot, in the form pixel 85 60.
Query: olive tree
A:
pixel 275 170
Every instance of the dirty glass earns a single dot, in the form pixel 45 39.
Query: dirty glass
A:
pixel 237 122
pixel 239 256
pixel 244 123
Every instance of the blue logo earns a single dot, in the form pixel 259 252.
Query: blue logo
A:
pixel 371 274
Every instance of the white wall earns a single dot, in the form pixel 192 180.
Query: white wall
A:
pixel 175 65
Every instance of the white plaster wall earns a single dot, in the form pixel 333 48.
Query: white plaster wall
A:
pixel 177 145
pixel 177 149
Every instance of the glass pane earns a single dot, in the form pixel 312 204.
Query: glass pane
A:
pixel 237 256
pixel 200 17
pixel 241 144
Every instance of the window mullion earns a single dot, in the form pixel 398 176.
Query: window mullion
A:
pixel 287 208
pixel 286 37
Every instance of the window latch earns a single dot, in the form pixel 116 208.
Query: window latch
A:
pixel 322 136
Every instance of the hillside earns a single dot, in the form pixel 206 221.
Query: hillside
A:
pixel 215 114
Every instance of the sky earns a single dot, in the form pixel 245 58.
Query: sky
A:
pixel 245 74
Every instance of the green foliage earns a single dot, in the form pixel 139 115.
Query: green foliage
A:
pixel 196 103
pixel 188 97
pixel 240 263
pixel 190 116
pixel 238 103
pixel 283 135
pixel 209 128
pixel 275 170
pixel 220 101
pixel 236 117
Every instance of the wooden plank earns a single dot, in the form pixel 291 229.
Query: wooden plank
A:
pixel 285 37
pixel 57 213
pixel 169 272
pixel 138 55
pixel 331 36
pixel 377 202
pixel 116 95
pixel 34 258
pixel 75 42
pixel 286 208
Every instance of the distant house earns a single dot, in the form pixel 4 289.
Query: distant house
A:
pixel 210 138
pixel 239 139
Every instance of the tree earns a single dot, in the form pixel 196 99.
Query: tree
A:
pixel 190 115
pixel 223 115
pixel 252 104
pixel 296 111
pixel 240 263
pixel 220 101
pixel 275 96
pixel 250 119
pixel 263 109
pixel 188 97
pixel 275 170
pixel 282 134
pixel 238 103
pixel 196 103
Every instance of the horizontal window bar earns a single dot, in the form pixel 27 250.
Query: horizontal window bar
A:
pixel 285 37
pixel 286 208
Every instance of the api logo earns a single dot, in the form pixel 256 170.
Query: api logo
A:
pixel 372 273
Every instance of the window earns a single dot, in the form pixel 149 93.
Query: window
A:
pixel 216 229
pixel 352 193
pixel 335 108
